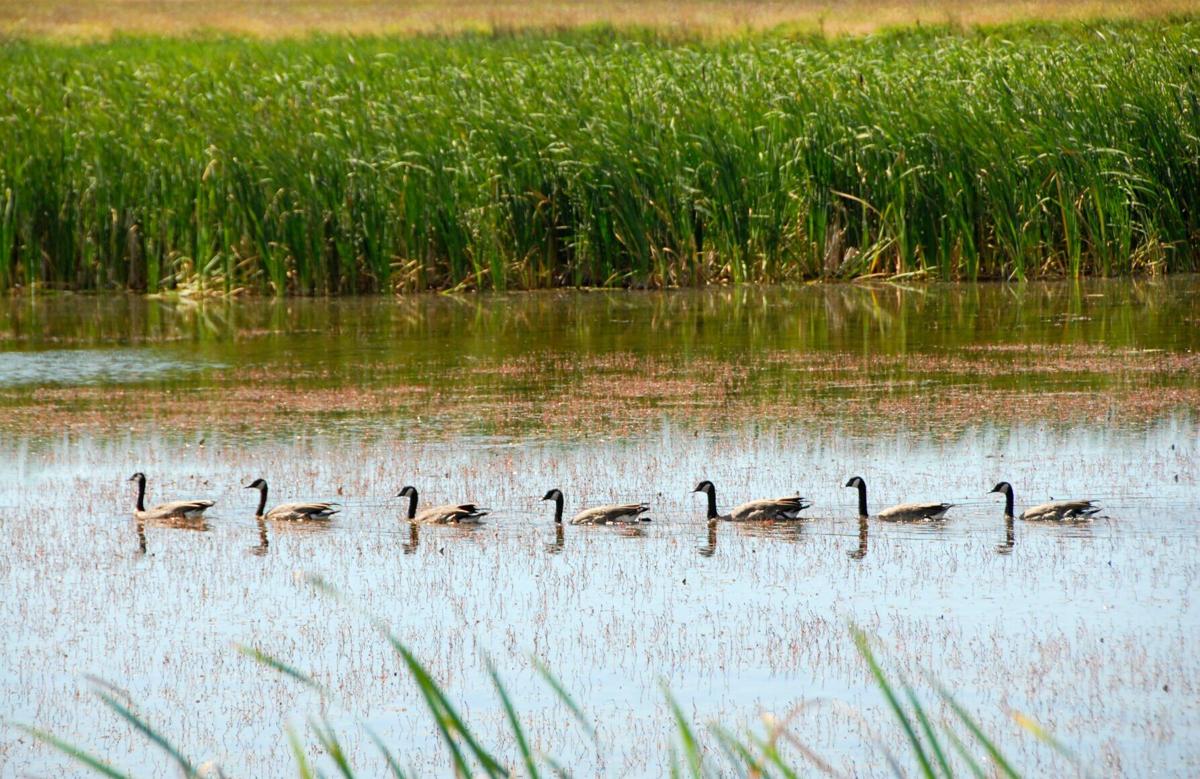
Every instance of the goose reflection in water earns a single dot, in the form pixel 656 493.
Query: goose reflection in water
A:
pixel 264 543
pixel 710 549
pixel 861 551
pixel 556 546
pixel 1010 538
pixel 621 528
pixel 783 531
pixel 414 538
pixel 140 524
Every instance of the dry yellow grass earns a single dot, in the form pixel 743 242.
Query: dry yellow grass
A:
pixel 89 19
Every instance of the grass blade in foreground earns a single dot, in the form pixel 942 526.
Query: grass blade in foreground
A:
pixel 860 640
pixel 155 737
pixel 92 762
pixel 749 758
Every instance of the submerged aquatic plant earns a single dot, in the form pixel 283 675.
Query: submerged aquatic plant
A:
pixel 697 752
pixel 337 165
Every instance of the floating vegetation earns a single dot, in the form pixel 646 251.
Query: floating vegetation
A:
pixel 697 752
pixel 338 166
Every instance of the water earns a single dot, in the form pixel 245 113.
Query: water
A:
pixel 930 393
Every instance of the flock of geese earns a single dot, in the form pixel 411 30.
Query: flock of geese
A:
pixel 764 510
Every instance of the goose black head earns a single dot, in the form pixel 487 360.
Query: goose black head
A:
pixel 257 484
pixel 1003 487
pixel 705 486
pixel 554 494
pixel 856 482
pixel 139 477
pixel 407 492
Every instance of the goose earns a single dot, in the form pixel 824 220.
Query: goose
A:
pixel 904 512
pixel 599 515
pixel 756 510
pixel 440 515
pixel 290 511
pixel 177 509
pixel 1055 510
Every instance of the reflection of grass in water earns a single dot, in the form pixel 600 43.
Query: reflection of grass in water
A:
pixel 494 364
pixel 932 744
pixel 629 393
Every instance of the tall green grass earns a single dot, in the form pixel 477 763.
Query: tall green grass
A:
pixel 936 747
pixel 336 165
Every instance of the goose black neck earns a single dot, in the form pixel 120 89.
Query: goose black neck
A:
pixel 558 508
pixel 262 501
pixel 862 500
pixel 412 504
pixel 1008 503
pixel 712 502
pixel 141 503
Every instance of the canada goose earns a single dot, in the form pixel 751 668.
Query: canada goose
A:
pixel 599 515
pixel 178 509
pixel 1055 510
pixel 440 515
pixel 289 511
pixel 904 512
pixel 756 510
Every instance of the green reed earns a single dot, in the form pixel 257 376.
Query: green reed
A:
pixel 340 166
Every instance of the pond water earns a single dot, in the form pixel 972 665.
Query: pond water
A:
pixel 930 392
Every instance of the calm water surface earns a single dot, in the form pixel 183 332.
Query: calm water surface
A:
pixel 930 392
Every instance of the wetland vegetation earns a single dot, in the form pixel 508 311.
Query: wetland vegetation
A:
pixel 598 158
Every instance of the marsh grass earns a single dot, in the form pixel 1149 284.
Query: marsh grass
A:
pixel 711 750
pixel 337 165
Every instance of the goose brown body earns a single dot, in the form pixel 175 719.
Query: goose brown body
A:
pixel 300 511
pixel 1059 510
